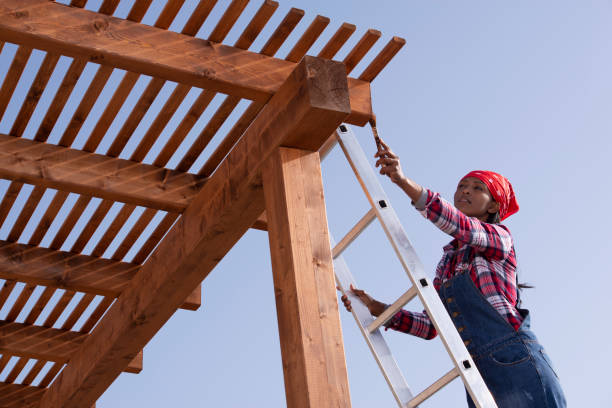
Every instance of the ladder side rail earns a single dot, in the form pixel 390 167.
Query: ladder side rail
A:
pixel 414 268
pixel 375 340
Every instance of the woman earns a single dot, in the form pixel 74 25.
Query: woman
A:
pixel 476 280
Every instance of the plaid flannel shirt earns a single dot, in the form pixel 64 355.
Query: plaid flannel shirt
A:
pixel 483 250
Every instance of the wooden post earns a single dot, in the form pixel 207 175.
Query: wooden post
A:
pixel 308 319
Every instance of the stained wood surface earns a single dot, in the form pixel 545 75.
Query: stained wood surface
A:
pixel 15 395
pixel 95 175
pixel 310 105
pixel 44 343
pixel 74 272
pixel 306 302
pixel 83 34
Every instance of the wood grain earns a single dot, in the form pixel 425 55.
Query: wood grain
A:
pixel 304 286
pixel 304 112
pixel 73 272
pixel 96 175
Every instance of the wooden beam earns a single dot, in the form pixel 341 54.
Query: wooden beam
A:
pixel 45 343
pixel 70 271
pixel 303 113
pixel 143 49
pixel 306 301
pixel 96 175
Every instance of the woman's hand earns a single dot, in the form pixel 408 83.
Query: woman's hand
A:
pixel 374 306
pixel 389 164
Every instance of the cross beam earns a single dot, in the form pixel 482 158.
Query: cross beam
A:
pixel 96 175
pixel 156 52
pixel 66 270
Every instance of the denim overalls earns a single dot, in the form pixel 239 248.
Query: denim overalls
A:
pixel 513 364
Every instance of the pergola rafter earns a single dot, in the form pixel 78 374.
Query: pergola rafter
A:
pixel 181 211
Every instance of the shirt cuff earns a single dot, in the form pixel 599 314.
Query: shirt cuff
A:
pixel 421 203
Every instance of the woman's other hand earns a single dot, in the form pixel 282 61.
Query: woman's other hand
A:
pixel 374 306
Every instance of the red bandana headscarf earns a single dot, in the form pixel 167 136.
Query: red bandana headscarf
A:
pixel 500 189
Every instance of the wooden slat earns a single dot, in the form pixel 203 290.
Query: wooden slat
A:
pixel 286 27
pixel 33 373
pixel 92 226
pixel 96 314
pixel 162 228
pixel 308 38
pixel 69 222
pixel 166 17
pixel 336 42
pixel 25 213
pixel 48 217
pixel 257 23
pixel 134 234
pixel 5 292
pixel 59 100
pixel 382 59
pixel 43 343
pixel 108 7
pixel 160 122
pixel 228 20
pixel 36 90
pixel 20 302
pixel 113 229
pixel 140 109
pixel 228 69
pixel 88 101
pixel 96 175
pixel 230 139
pixel 12 76
pixel 183 129
pixel 302 114
pixel 112 108
pixel 139 9
pixel 226 108
pixel 9 199
pixel 306 301
pixel 360 49
pixel 16 370
pixel 198 17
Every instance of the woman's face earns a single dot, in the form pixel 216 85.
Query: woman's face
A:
pixel 474 200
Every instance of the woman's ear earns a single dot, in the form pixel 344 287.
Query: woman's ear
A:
pixel 493 207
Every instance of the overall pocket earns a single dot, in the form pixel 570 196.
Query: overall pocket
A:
pixel 510 354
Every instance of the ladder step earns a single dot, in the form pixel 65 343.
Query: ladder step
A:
pixel 354 233
pixel 393 309
pixel 433 388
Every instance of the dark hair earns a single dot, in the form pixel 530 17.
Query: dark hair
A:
pixel 495 219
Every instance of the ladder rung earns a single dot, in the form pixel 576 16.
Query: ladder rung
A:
pixel 393 309
pixel 354 233
pixel 433 388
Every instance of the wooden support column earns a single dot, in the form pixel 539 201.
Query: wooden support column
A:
pixel 308 319
pixel 307 108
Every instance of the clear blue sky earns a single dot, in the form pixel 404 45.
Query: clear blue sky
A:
pixel 523 88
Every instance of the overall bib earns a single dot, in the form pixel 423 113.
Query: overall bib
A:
pixel 512 363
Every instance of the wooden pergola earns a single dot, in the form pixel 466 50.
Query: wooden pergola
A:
pixel 266 164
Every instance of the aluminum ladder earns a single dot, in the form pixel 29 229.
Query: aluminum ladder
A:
pixel 421 286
